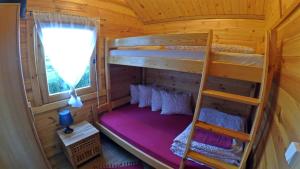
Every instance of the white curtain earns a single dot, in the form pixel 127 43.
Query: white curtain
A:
pixel 69 42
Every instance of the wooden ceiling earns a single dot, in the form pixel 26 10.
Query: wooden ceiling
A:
pixel 156 11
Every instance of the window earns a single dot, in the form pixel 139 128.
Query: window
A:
pixel 55 56
pixel 57 85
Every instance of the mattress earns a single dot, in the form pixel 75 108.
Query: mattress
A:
pixel 149 131
pixel 255 60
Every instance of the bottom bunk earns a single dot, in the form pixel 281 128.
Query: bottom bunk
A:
pixel 149 135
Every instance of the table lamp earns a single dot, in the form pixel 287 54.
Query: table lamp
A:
pixel 65 120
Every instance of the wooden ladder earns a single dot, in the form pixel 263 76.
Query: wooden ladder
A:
pixel 248 139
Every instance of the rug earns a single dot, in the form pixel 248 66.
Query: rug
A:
pixel 114 157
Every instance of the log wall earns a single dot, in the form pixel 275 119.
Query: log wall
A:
pixel 116 20
pixel 285 116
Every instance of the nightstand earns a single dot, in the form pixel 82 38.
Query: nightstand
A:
pixel 81 145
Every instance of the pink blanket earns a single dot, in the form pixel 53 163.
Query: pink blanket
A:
pixel 206 137
pixel 154 133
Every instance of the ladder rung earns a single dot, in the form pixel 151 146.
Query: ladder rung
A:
pixel 224 131
pixel 210 161
pixel 231 97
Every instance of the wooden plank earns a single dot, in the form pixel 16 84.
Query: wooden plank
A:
pixel 121 78
pixel 210 161
pixel 107 75
pixel 287 14
pixel 231 97
pixel 63 103
pixel 223 131
pixel 191 39
pixel 235 71
pixel 226 31
pixel 83 130
pixel 32 64
pixel 120 102
pixel 265 86
pixel 164 11
pixel 199 101
pixel 220 69
pixel 184 65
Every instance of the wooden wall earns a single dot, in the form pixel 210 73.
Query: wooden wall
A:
pixel 116 20
pixel 189 83
pixel 121 78
pixel 227 31
pixel 285 126
pixel 18 143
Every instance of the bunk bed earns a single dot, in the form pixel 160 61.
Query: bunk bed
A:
pixel 140 131
pixel 242 67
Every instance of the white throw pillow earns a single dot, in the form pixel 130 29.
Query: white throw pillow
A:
pixel 176 103
pixel 156 101
pixel 145 95
pixel 134 93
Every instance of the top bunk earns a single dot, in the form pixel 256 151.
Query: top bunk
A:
pixel 185 53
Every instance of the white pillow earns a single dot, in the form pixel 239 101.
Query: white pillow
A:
pixel 156 101
pixel 134 93
pixel 176 103
pixel 145 95
pixel 218 118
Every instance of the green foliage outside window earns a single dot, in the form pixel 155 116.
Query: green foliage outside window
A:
pixel 57 85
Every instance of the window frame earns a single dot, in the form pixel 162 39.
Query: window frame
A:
pixel 42 77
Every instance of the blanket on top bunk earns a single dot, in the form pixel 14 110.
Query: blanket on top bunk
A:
pixel 212 145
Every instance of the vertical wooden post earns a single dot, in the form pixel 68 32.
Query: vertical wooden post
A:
pixel 200 97
pixel 144 78
pixel 107 76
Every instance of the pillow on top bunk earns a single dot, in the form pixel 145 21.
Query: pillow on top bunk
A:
pixel 141 48
pixel 188 48
pixel 176 103
pixel 145 95
pixel 232 48
pixel 156 100
pixel 134 93
pixel 215 48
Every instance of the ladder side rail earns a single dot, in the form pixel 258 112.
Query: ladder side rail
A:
pixel 260 108
pixel 199 97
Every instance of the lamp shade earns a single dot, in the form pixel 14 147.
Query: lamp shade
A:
pixel 65 118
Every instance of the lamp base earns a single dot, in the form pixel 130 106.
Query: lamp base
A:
pixel 68 130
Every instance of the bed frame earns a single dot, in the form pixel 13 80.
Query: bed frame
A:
pixel 234 71
pixel 123 143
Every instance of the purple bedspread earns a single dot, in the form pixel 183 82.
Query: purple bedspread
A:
pixel 152 133
pixel 206 137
